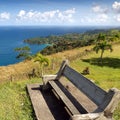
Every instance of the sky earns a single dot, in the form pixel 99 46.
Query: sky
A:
pixel 60 12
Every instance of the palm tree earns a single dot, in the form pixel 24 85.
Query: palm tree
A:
pixel 23 53
pixel 102 45
pixel 101 37
pixel 43 62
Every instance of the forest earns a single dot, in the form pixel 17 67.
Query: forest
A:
pixel 70 41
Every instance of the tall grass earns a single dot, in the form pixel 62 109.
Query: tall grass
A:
pixel 14 101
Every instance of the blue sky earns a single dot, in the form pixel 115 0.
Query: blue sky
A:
pixel 63 12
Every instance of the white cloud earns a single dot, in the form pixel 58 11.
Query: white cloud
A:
pixel 100 15
pixel 70 11
pixel 30 14
pixel 100 18
pixel 117 18
pixel 99 9
pixel 47 16
pixel 66 15
pixel 116 6
pixel 35 16
pixel 21 13
pixel 4 16
pixel 96 8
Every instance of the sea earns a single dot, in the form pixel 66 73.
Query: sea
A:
pixel 12 37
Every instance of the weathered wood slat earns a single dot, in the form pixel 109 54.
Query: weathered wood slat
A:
pixel 59 74
pixel 47 78
pixel 81 98
pixel 40 107
pixel 110 102
pixel 94 92
pixel 71 97
pixel 73 110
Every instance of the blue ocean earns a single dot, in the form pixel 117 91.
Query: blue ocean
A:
pixel 13 36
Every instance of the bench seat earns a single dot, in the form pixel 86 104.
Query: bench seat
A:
pixel 70 106
pixel 84 100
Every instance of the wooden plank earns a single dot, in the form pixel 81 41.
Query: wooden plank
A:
pixel 47 78
pixel 59 74
pixel 73 110
pixel 79 96
pixel 110 102
pixel 40 107
pixel 94 92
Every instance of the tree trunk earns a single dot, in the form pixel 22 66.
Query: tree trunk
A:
pixel 42 70
pixel 101 57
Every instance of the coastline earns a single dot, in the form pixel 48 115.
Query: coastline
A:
pixel 13 36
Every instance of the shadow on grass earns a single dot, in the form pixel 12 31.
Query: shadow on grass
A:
pixel 109 62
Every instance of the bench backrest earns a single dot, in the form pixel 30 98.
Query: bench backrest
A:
pixel 106 101
pixel 95 93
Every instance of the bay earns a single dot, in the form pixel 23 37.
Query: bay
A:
pixel 13 36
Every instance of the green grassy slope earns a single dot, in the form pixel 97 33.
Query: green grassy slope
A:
pixel 14 100
pixel 106 76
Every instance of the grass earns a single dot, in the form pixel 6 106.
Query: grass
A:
pixel 14 101
pixel 106 76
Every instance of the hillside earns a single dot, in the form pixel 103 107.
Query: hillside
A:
pixel 60 43
pixel 17 105
pixel 82 57
pixel 17 71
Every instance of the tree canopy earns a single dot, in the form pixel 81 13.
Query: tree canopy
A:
pixel 23 52
pixel 42 60
pixel 59 43
pixel 101 45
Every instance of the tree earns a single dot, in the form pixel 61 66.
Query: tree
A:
pixel 23 53
pixel 102 44
pixel 43 62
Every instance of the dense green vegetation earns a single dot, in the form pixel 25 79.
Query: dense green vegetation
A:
pixel 23 52
pixel 74 40
pixel 102 44
pixel 43 62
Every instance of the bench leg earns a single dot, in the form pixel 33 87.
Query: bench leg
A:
pixel 46 87
pixel 46 79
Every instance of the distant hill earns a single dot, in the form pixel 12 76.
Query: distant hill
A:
pixel 71 41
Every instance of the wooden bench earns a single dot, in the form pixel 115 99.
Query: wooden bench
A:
pixel 81 98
